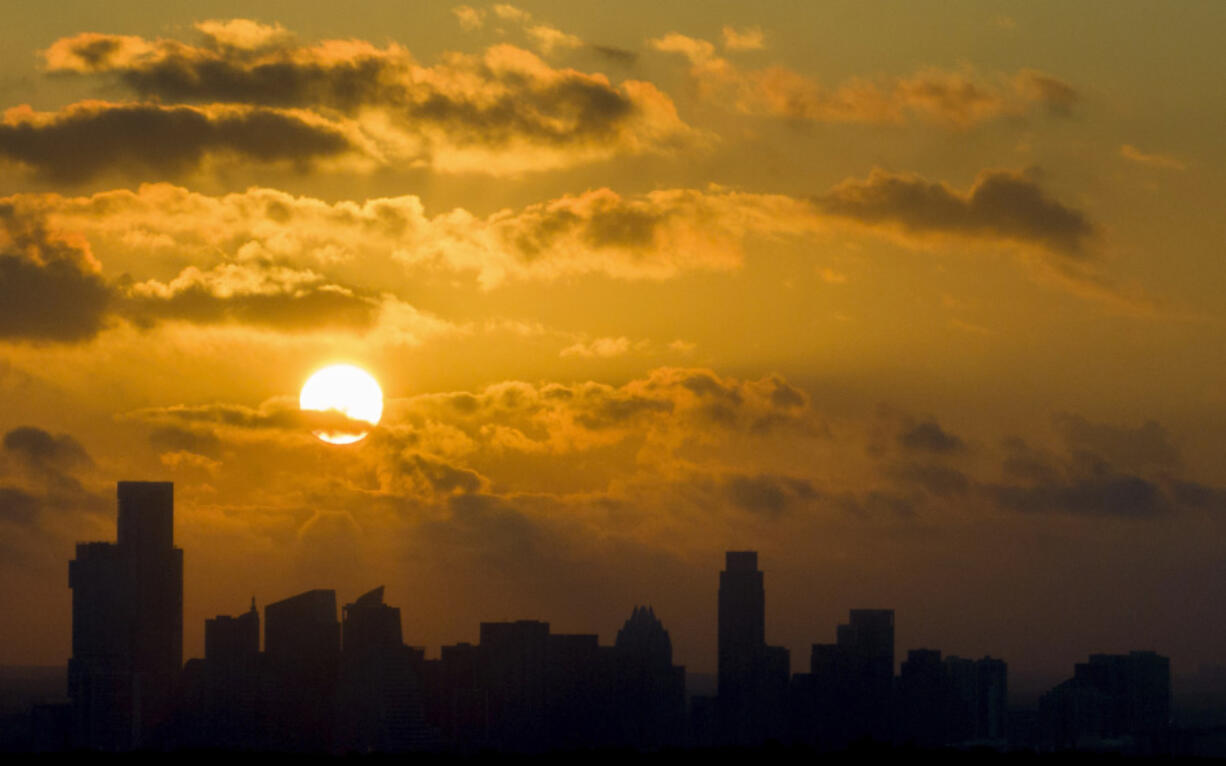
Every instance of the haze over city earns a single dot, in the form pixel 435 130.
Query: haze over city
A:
pixel 919 301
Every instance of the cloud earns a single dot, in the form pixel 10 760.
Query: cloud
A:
pixel 1163 161
pixel 17 506
pixel 1104 470
pixel 598 347
pixel 619 56
pixel 250 294
pixel 54 291
pixel 470 18
pixel 91 138
pixel 42 450
pixel 504 111
pixel 766 493
pixel 958 100
pixel 243 34
pixel 746 39
pixel 1145 447
pixel 655 236
pixel 928 436
pixel 50 286
pixel 41 471
pixel 999 205
pixel 548 39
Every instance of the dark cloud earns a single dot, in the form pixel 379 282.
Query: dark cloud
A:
pixel 939 480
pixel 278 414
pixel 17 506
pixel 769 494
pixel 928 436
pixel 1001 204
pixel 1104 471
pixel 39 448
pixel 177 439
pixel 442 477
pixel 1146 446
pixel 619 56
pixel 1058 95
pixel 1119 495
pixel 92 138
pixel 507 96
pixel 876 503
pixel 50 289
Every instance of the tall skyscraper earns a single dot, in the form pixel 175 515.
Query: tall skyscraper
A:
pixel 302 642
pixel 742 625
pixel 868 642
pixel 127 623
pixel 753 678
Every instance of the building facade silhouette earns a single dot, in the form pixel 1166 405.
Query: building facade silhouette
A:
pixel 127 624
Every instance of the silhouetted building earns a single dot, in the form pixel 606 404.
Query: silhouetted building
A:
pixel 228 639
pixel 650 692
pixel 127 623
pixel 923 699
pixel 753 678
pixel 457 702
pixel 220 697
pixel 512 672
pixel 302 648
pixel 379 700
pixel 1114 700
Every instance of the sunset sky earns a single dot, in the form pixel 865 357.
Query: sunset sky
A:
pixel 922 301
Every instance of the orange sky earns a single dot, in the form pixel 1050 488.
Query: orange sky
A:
pixel 920 300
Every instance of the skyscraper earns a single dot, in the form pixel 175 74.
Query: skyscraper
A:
pixel 302 642
pixel 127 623
pixel 753 678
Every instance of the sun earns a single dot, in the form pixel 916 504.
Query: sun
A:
pixel 346 389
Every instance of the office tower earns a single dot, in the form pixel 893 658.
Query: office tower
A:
pixel 1113 697
pixel 224 693
pixel 457 703
pixel 380 704
pixel 127 616
pixel 650 690
pixel 752 693
pixel 370 625
pixel 578 691
pixel 742 645
pixel 992 699
pixel 923 693
pixel 868 642
pixel 302 650
pixel 512 671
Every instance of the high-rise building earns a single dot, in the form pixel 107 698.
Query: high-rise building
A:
pixel 650 689
pixel 380 702
pixel 127 623
pixel 302 642
pixel 1117 697
pixel 753 678
pixel 513 660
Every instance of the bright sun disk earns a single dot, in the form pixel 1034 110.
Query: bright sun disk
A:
pixel 346 389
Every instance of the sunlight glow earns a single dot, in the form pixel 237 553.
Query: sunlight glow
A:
pixel 348 390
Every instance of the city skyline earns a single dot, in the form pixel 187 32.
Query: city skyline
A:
pixel 323 684
pixel 919 301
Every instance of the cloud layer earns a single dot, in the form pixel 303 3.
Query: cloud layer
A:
pixel 503 111
pixel 954 99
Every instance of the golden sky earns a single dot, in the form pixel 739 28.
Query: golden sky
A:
pixel 922 301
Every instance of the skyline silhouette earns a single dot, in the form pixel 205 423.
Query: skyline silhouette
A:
pixel 532 312
pixel 327 685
